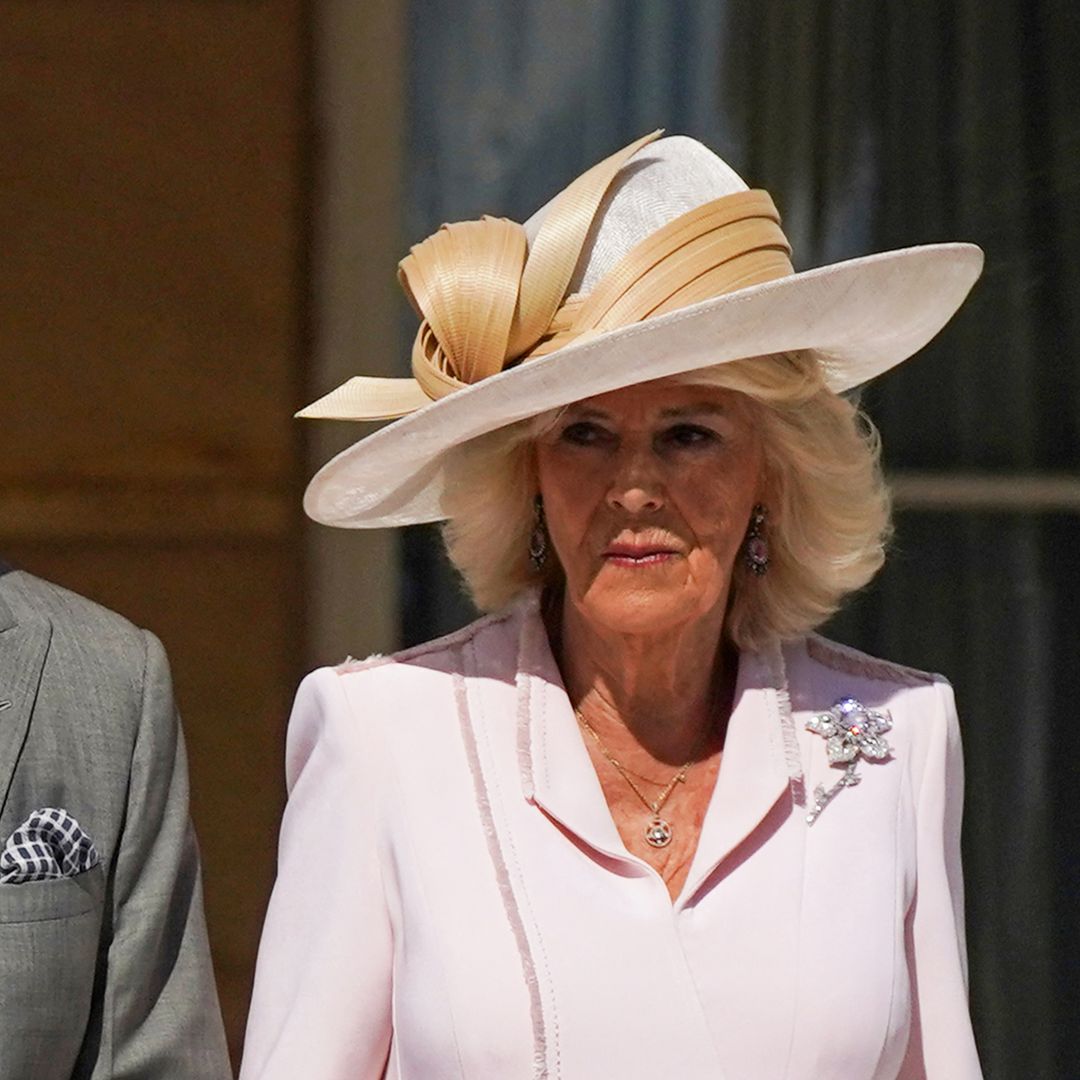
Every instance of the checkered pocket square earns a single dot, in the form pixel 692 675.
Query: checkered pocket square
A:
pixel 49 844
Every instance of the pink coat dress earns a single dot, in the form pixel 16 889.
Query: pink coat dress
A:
pixel 454 900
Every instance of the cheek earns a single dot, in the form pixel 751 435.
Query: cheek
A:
pixel 569 492
pixel 719 528
pixel 716 507
pixel 718 510
pixel 569 478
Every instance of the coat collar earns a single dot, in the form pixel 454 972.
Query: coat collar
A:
pixel 23 646
pixel 761 756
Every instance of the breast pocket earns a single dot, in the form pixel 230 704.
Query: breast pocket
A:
pixel 49 935
pixel 59 898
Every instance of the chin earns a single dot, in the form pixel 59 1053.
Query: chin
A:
pixel 639 607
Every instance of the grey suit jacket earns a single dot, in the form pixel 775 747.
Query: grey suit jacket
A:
pixel 107 973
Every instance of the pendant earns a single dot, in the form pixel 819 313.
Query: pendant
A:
pixel 658 832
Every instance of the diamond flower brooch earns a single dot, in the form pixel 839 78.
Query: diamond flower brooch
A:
pixel 851 732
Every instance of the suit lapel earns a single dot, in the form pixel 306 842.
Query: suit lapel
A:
pixel 761 763
pixel 23 646
pixel 556 771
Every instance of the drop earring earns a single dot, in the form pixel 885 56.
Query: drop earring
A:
pixel 756 549
pixel 538 538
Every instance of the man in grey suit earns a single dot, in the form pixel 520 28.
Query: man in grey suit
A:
pixel 104 964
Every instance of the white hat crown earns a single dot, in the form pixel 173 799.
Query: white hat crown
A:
pixel 661 182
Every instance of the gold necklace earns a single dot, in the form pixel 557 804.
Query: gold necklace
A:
pixel 658 832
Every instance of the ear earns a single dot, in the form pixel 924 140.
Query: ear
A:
pixel 768 488
pixel 530 471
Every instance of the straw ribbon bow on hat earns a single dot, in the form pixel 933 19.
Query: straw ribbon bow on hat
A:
pixel 488 300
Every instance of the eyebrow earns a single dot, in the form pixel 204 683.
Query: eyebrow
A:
pixel 704 408
pixel 675 412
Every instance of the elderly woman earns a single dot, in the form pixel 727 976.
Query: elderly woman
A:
pixel 639 821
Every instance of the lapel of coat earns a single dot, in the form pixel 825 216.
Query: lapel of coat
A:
pixel 23 646
pixel 761 763
pixel 556 771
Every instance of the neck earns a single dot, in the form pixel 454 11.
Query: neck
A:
pixel 671 690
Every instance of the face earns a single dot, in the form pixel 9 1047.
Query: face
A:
pixel 647 493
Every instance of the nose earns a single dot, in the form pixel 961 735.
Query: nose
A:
pixel 635 487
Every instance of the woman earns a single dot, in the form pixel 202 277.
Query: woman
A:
pixel 640 821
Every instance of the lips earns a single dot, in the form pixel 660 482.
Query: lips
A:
pixel 627 554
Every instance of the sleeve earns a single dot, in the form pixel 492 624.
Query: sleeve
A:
pixel 161 1004
pixel 321 1006
pixel 942 1045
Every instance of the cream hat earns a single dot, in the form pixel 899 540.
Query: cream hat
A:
pixel 656 262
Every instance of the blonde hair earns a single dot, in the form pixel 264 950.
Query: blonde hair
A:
pixel 828 506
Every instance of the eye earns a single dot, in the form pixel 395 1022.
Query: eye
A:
pixel 688 435
pixel 585 433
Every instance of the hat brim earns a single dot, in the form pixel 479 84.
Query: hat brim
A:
pixel 861 317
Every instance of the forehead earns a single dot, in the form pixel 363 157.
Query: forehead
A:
pixel 662 397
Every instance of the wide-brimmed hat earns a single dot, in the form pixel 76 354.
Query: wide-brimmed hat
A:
pixel 656 262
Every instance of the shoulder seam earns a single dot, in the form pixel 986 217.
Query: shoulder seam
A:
pixel 832 654
pixel 30 596
pixel 447 641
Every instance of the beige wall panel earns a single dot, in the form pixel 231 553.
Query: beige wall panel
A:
pixel 360 108
pixel 150 214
